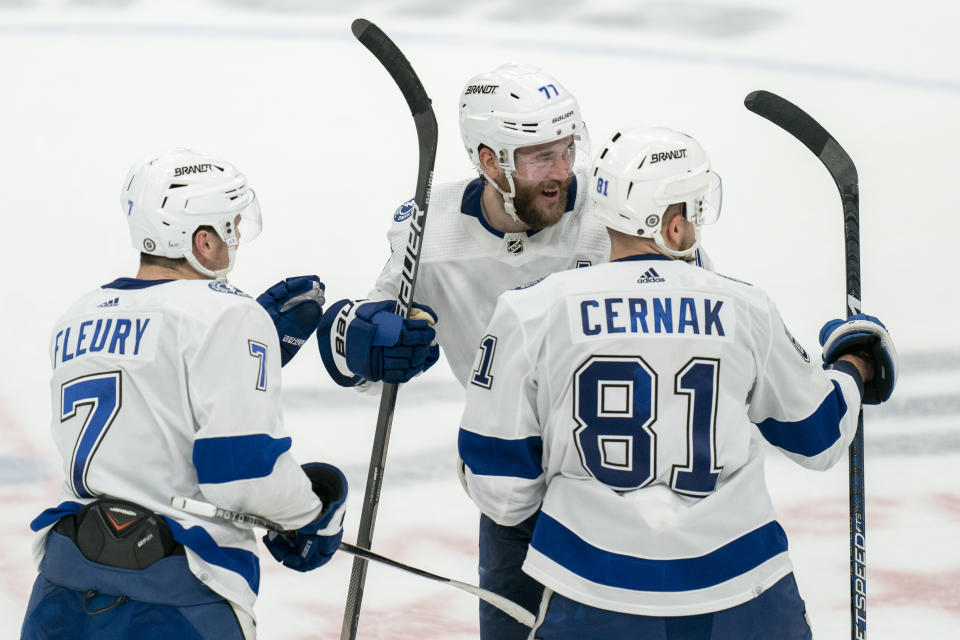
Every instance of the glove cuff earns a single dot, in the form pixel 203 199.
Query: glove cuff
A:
pixel 332 340
pixel 851 370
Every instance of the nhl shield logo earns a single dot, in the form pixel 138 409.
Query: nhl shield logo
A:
pixel 515 246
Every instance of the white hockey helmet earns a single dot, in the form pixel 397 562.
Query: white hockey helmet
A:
pixel 166 197
pixel 517 105
pixel 640 172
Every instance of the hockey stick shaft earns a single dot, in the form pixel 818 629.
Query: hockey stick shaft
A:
pixel 208 510
pixel 393 60
pixel 804 128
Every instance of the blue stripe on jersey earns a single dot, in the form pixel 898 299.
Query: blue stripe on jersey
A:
pixel 488 456
pixel 50 516
pixel 812 435
pixel 133 283
pixel 642 257
pixel 733 559
pixel 236 457
pixel 233 559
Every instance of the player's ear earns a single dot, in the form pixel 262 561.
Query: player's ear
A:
pixel 489 162
pixel 205 244
pixel 672 228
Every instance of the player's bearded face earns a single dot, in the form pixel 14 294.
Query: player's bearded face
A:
pixel 540 204
pixel 541 181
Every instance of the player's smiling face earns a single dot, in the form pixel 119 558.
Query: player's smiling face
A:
pixel 543 175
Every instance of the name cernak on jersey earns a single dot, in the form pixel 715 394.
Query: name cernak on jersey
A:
pixel 661 315
pixel 131 336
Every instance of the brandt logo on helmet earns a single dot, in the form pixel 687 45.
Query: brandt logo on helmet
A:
pixel 481 88
pixel 650 276
pixel 149 244
pixel 668 155
pixel 405 210
pixel 515 246
pixel 563 117
pixel 194 168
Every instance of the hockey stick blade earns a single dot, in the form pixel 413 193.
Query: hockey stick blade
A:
pixel 207 510
pixel 804 128
pixel 838 163
pixel 393 60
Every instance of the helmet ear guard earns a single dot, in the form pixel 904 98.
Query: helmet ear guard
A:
pixel 640 172
pixel 167 197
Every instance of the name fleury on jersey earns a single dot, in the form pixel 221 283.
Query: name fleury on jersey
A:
pixel 122 336
pixel 663 314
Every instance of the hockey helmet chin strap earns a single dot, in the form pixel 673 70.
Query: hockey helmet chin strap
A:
pixel 218 274
pixel 507 197
pixel 689 254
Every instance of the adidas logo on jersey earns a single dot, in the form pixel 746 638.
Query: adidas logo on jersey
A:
pixel 109 303
pixel 649 277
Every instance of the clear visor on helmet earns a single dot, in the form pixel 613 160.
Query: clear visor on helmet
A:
pixel 247 222
pixel 551 160
pixel 681 187
pixel 710 204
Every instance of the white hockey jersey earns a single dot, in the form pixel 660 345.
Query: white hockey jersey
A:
pixel 627 400
pixel 465 263
pixel 172 388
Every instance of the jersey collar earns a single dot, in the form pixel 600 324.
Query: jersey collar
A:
pixel 473 194
pixel 133 283
pixel 643 256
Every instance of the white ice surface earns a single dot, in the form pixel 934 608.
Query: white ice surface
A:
pixel 283 90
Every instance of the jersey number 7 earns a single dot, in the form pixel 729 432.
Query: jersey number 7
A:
pixel 102 392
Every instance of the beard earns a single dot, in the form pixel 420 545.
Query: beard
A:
pixel 532 210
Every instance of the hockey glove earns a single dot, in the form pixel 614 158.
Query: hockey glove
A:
pixel 295 305
pixel 313 544
pixel 864 336
pixel 373 343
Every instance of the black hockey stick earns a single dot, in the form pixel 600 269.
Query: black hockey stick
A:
pixel 208 510
pixel 801 126
pixel 403 74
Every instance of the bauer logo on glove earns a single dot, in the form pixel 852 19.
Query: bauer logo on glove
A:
pixel 295 305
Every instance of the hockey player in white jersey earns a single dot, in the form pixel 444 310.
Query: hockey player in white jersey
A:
pixel 627 401
pixel 168 384
pixel 519 220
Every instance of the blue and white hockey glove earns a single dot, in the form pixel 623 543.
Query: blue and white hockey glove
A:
pixel 867 337
pixel 295 305
pixel 361 340
pixel 313 544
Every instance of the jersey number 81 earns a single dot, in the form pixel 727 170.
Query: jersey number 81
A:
pixel 615 406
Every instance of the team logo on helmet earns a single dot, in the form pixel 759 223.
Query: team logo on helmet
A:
pixel 149 244
pixel 652 221
pixel 405 210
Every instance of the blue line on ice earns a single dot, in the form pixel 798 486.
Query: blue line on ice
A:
pixel 598 49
